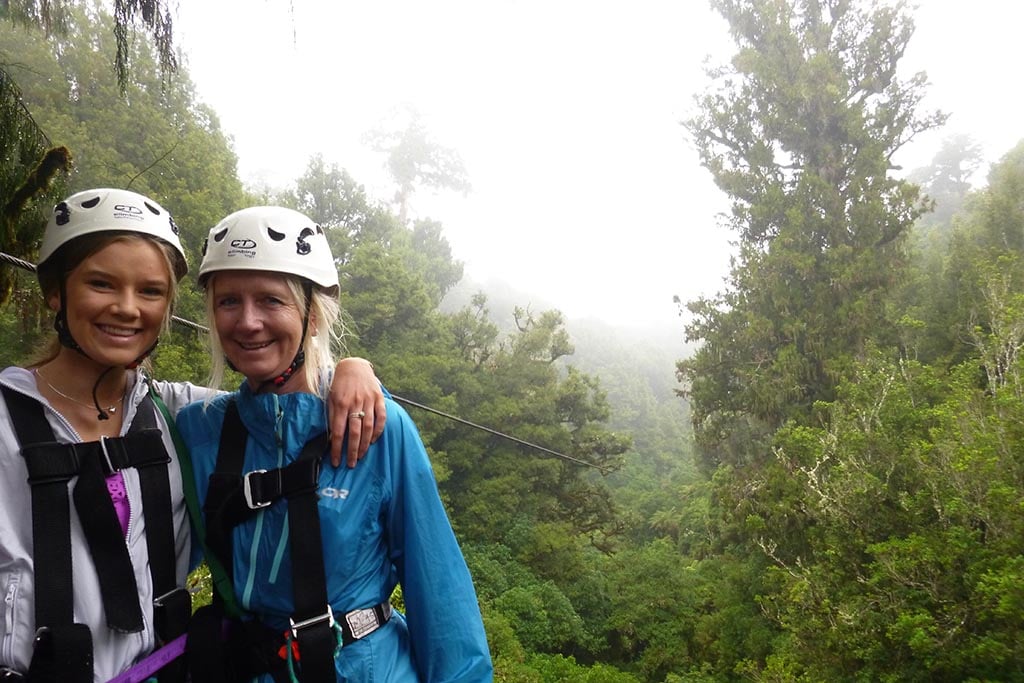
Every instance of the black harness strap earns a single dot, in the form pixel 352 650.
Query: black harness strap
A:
pixel 49 508
pixel 221 508
pixel 233 498
pixel 62 650
pixel 51 465
pixel 172 603
pixel 313 622
pixel 107 547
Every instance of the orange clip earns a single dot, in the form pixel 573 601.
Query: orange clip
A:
pixel 282 652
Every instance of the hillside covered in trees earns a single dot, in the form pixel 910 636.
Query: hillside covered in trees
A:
pixel 825 485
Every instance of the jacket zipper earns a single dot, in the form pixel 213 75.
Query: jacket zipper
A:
pixel 10 600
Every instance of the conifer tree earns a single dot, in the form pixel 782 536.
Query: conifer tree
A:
pixel 799 131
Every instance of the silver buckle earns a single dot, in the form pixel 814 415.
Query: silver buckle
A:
pixel 247 491
pixel 362 622
pixel 327 616
pixel 159 601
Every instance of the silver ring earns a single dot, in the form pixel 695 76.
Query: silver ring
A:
pixel 357 415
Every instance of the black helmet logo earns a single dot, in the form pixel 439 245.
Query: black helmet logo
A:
pixel 61 214
pixel 302 247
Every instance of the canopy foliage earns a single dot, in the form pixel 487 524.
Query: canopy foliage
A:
pixel 847 506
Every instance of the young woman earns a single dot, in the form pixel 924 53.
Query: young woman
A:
pixel 315 553
pixel 94 539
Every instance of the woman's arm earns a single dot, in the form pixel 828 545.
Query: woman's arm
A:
pixel 355 404
pixel 445 625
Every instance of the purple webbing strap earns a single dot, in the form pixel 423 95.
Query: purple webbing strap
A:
pixel 119 497
pixel 153 663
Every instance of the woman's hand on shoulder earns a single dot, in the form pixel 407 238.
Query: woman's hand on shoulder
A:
pixel 355 405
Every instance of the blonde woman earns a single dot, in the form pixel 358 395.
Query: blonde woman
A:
pixel 314 553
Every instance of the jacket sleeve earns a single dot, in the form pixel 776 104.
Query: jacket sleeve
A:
pixel 177 395
pixel 445 628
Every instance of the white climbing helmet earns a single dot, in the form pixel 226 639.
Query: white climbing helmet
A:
pixel 272 239
pixel 103 210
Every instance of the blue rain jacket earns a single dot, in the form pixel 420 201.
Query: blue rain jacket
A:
pixel 382 523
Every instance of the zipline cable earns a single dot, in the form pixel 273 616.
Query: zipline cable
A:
pixel 21 263
pixel 474 425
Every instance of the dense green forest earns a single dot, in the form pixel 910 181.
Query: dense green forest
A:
pixel 826 483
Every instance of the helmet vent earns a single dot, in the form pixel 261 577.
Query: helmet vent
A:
pixel 219 237
pixel 90 203
pixel 275 235
pixel 152 209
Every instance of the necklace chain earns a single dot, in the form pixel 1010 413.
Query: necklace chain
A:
pixel 110 409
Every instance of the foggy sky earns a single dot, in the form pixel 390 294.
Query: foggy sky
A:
pixel 585 189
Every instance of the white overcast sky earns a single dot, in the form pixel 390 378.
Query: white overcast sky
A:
pixel 566 113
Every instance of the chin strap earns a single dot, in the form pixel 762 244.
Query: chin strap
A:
pixel 60 324
pixel 279 381
pixel 101 414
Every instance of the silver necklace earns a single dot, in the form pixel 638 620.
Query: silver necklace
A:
pixel 110 409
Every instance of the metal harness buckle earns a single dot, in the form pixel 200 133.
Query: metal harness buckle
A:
pixel 247 491
pixel 327 616
pixel 160 600
pixel 362 622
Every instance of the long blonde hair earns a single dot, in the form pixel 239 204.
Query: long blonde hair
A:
pixel 322 344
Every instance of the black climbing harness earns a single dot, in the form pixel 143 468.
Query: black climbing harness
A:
pixel 62 650
pixel 232 499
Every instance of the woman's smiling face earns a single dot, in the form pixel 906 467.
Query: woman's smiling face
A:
pixel 258 322
pixel 118 300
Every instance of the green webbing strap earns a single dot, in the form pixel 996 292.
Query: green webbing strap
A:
pixel 221 581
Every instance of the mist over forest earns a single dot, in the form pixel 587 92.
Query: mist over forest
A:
pixel 814 474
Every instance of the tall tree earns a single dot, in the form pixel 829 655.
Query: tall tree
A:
pixel 947 180
pixel 414 159
pixel 799 131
